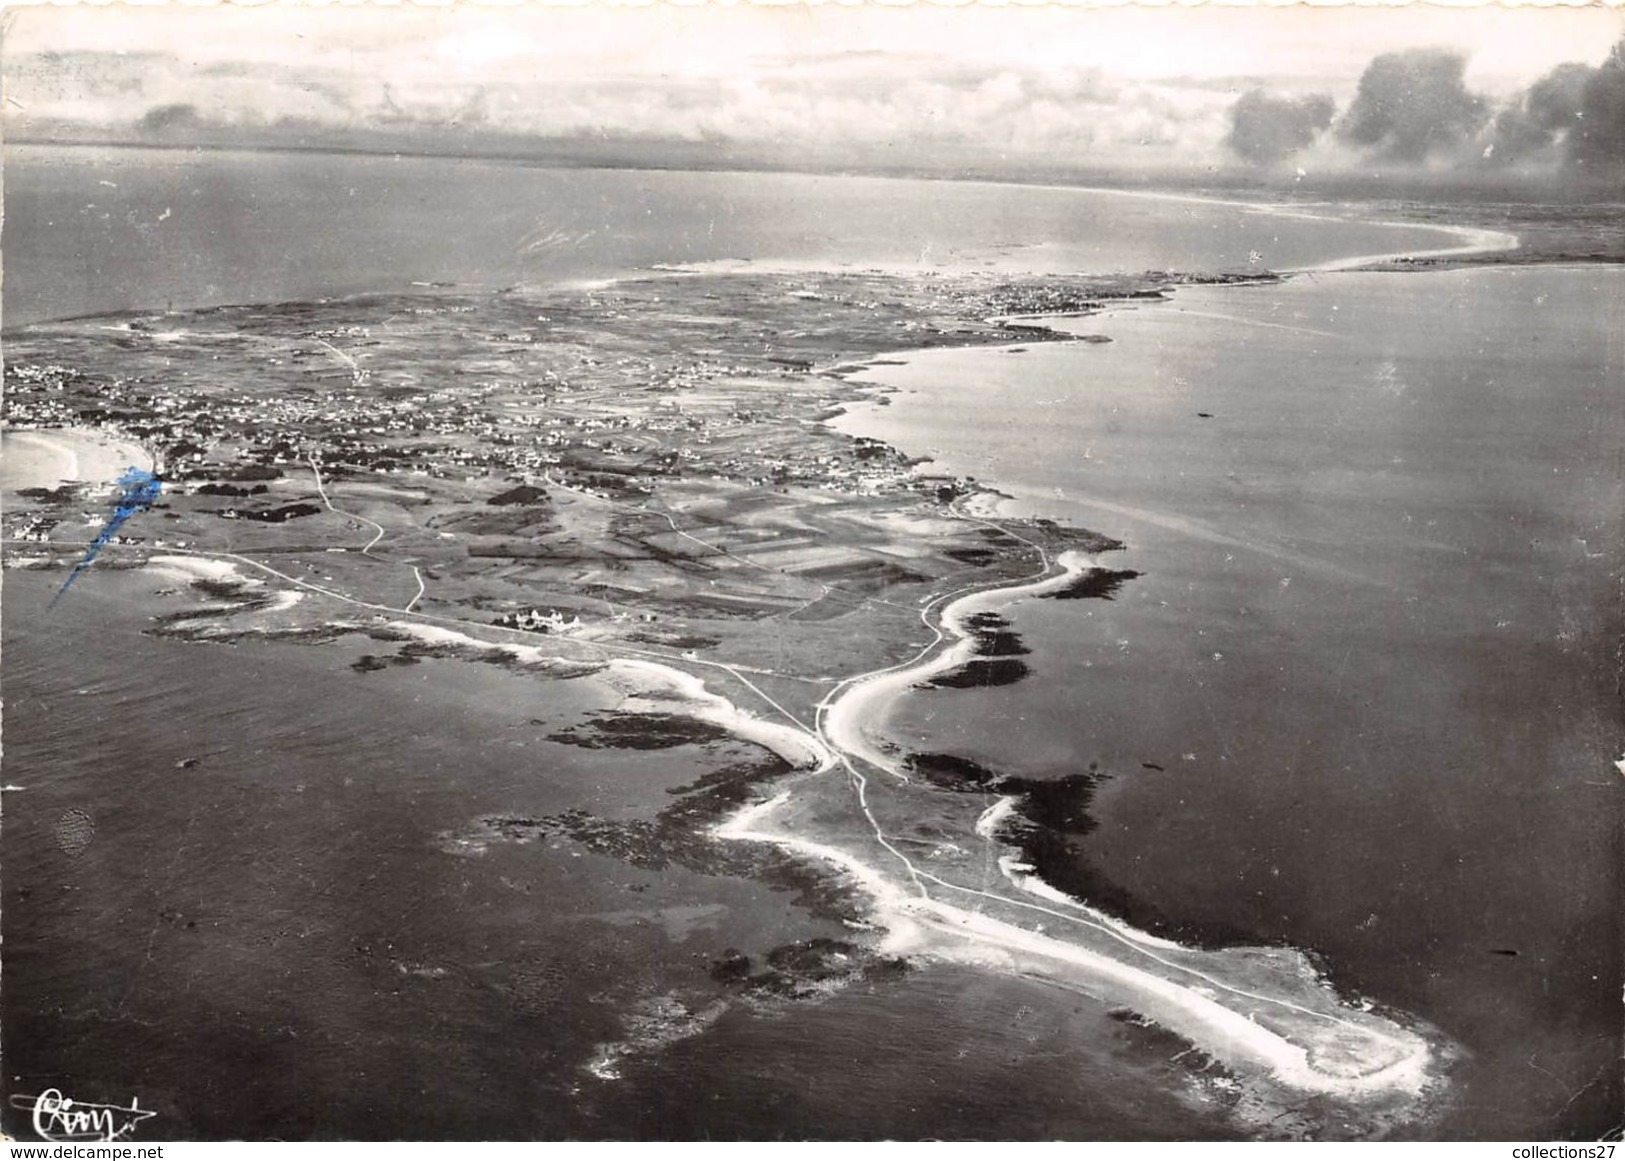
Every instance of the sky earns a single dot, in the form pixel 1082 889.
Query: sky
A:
pixel 1123 85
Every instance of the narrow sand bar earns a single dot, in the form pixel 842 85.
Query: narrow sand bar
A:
pixel 857 706
pixel 1262 1011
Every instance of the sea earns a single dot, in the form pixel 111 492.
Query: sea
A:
pixel 1359 698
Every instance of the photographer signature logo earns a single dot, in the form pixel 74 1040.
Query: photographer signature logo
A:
pixel 59 1118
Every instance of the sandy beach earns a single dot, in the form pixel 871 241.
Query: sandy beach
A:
pixel 860 703
pixel 47 458
pixel 1235 1004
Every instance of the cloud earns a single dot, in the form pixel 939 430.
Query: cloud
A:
pixel 166 118
pixel 1266 129
pixel 1597 142
pixel 912 102
pixel 907 88
pixel 1535 126
pixel 1413 106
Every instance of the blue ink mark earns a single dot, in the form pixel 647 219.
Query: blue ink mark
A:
pixel 139 490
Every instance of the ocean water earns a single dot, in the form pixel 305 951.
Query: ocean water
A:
pixel 229 888
pixel 229 891
pixel 1369 651
pixel 97 229
pixel 1362 698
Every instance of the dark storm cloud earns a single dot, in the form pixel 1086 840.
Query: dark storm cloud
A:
pixel 1266 129
pixel 1412 106
pixel 1597 142
pixel 1534 126
pixel 165 118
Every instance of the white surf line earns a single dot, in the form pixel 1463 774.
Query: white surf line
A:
pixel 725 713
pixel 1474 240
pixel 1127 936
pixel 1232 1035
pixel 1236 1031
pixel 740 827
pixel 831 720
pixel 1006 935
pixel 989 821
pixel 1075 567
pixel 737 672
pixel 823 757
pixel 1013 870
pixel 1284 1057
pixel 841 711
pixel 1134 940
pixel 835 752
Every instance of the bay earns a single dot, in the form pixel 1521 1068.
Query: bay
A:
pixel 1361 698
pixel 96 228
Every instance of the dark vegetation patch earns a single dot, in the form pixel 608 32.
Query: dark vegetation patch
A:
pixel 304 635
pixel 640 732
pixel 1083 539
pixel 1097 583
pixel 699 606
pixel 555 667
pixel 976 556
pixel 873 574
pixel 1060 805
pixel 231 490
pixel 504 521
pixel 268 515
pixel 218 589
pixel 248 472
pixel 674 640
pixel 512 550
pixel 66 494
pixel 560 668
pixel 371 663
pixel 523 494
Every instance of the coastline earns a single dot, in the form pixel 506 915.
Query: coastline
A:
pixel 1305 1040
pixel 862 700
pixel 1475 241
pixel 82 454
pixel 1365 1059
pixel 847 724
